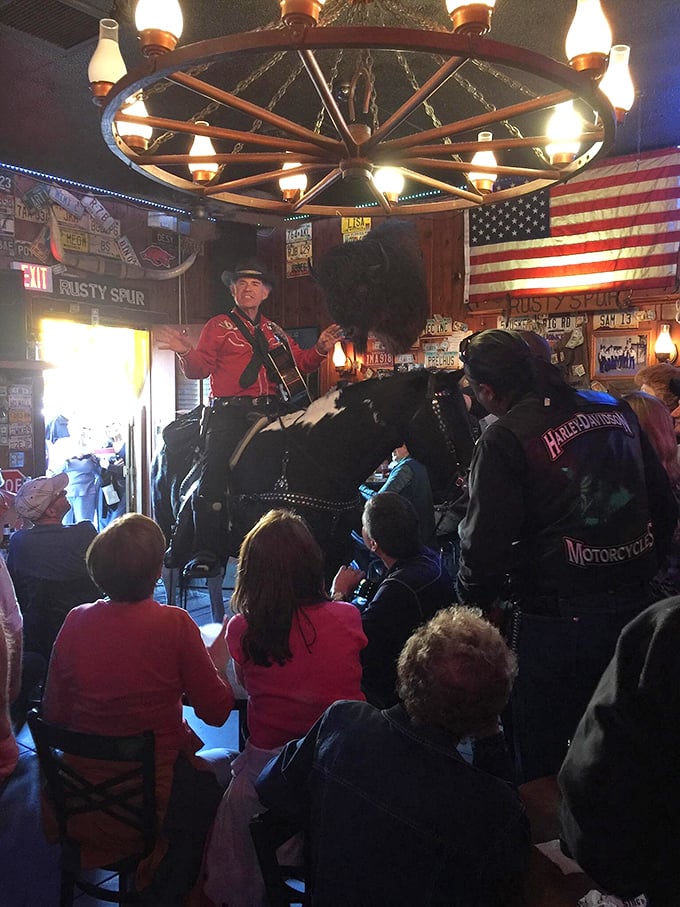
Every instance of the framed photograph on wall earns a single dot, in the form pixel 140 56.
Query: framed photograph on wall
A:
pixel 620 354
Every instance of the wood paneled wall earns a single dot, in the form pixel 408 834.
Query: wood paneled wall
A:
pixel 298 301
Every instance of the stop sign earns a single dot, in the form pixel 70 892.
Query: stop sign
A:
pixel 13 479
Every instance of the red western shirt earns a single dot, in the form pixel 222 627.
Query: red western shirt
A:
pixel 223 353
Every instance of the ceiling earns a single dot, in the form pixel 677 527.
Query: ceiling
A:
pixel 50 124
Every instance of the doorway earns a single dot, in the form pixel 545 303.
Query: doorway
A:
pixel 93 404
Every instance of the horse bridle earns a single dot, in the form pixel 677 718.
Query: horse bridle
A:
pixel 458 480
pixel 283 495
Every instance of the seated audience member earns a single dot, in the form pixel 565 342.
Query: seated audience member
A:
pixel 410 479
pixel 10 673
pixel 295 652
pixel 122 665
pixel 657 423
pixel 27 668
pixel 662 381
pixel 394 814
pixel 11 617
pixel 619 781
pixel 47 561
pixel 414 588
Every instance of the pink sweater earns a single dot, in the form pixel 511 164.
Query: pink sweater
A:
pixel 285 700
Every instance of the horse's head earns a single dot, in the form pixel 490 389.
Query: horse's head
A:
pixel 438 434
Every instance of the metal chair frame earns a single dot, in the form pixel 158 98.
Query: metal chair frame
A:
pixel 269 830
pixel 127 796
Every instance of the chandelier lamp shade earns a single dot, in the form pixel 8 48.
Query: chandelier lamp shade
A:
pixel 483 182
pixel 364 113
pixel 159 24
pixel 389 181
pixel 201 148
pixel 106 65
pixel 617 83
pixel 134 131
pixel 588 39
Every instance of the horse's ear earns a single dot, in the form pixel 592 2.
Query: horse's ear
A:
pixel 311 270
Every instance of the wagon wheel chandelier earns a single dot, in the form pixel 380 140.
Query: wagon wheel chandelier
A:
pixel 323 144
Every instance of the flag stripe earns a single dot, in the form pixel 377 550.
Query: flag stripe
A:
pixel 650 278
pixel 617 224
pixel 604 241
pixel 583 264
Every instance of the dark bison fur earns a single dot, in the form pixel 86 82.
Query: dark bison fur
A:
pixel 377 285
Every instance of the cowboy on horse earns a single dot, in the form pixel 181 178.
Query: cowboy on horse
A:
pixel 254 370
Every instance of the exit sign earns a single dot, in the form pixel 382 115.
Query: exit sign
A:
pixel 36 277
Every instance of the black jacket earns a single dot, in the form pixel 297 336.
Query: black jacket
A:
pixel 395 815
pixel 412 592
pixel 620 782
pixel 564 501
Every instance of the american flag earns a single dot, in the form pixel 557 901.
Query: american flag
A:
pixel 615 225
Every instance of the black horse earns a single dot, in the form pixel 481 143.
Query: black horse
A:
pixel 313 461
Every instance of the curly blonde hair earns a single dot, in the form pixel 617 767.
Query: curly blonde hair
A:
pixel 456 673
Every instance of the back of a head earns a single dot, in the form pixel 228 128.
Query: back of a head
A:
pixel 280 569
pixel 657 423
pixel 125 559
pixel 661 380
pixel 505 361
pixel 502 359
pixel 280 547
pixel 539 346
pixel 456 673
pixel 392 521
pixel 36 496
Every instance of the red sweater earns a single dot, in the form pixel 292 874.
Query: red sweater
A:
pixel 123 667
pixel 285 700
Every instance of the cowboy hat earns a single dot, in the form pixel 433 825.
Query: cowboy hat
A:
pixel 251 267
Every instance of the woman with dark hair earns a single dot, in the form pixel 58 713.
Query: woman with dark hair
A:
pixel 295 652
pixel 570 514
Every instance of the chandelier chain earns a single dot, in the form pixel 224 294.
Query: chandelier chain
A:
pixel 276 97
pixel 478 95
pixel 375 120
pixel 429 109
pixel 321 116
pixel 213 106
pixel 402 12
pixel 504 77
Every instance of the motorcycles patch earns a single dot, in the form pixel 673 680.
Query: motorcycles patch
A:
pixel 581 555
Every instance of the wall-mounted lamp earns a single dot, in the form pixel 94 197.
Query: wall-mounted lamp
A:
pixel 664 348
pixel 346 363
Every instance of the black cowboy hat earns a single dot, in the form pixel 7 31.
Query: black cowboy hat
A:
pixel 251 267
